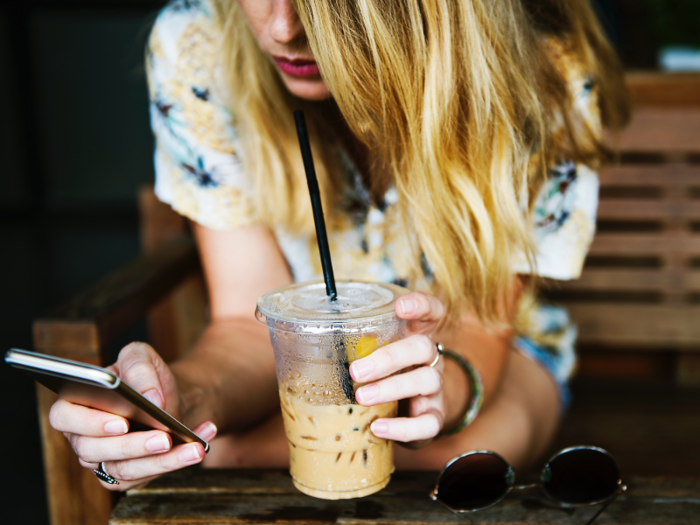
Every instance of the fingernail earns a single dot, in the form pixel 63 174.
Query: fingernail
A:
pixel 368 393
pixel 408 306
pixel 379 428
pixel 116 427
pixel 189 453
pixel 361 368
pixel 208 432
pixel 158 443
pixel 154 397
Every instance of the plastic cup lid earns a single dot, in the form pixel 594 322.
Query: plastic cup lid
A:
pixel 305 307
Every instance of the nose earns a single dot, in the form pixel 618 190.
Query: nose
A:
pixel 285 26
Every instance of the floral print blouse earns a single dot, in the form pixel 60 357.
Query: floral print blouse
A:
pixel 199 174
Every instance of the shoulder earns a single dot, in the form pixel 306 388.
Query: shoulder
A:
pixel 186 78
pixel 197 169
pixel 567 62
pixel 181 19
pixel 186 35
pixel 564 208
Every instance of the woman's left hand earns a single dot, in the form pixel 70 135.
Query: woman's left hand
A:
pixel 420 384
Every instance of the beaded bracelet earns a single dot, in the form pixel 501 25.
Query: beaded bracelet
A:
pixel 477 397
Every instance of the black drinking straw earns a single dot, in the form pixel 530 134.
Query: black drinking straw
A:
pixel 315 194
pixel 322 237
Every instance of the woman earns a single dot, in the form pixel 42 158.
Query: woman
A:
pixel 456 143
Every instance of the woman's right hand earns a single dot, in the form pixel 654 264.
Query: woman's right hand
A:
pixel 134 458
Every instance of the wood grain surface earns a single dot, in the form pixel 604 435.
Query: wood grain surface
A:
pixel 651 429
pixel 243 497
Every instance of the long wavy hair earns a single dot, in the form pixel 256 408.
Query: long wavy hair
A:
pixel 455 101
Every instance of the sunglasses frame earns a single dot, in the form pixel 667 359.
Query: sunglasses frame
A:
pixel 510 479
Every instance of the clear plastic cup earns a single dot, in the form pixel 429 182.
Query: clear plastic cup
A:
pixel 333 453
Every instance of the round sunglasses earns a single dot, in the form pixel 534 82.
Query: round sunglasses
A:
pixel 581 475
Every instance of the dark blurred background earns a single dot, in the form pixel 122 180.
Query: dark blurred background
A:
pixel 75 145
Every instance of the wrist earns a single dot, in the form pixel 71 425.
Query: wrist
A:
pixel 457 391
pixel 195 397
pixel 474 398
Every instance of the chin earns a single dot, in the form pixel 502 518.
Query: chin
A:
pixel 311 89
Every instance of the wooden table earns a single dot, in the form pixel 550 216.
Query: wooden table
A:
pixel 202 496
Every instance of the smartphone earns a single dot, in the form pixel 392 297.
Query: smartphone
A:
pixel 96 387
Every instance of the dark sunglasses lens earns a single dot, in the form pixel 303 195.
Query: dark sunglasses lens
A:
pixel 474 482
pixel 581 476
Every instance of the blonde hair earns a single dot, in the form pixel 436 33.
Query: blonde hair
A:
pixel 452 98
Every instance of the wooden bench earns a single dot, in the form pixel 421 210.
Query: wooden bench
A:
pixel 640 289
pixel 622 315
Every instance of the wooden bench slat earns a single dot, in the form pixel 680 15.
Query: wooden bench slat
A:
pixel 632 279
pixel 96 316
pixel 653 175
pixel 637 325
pixel 664 89
pixel 662 130
pixel 640 244
pixel 648 209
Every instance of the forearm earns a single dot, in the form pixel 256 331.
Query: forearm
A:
pixel 518 423
pixel 229 376
pixel 487 352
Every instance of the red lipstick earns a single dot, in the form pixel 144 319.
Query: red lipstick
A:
pixel 297 67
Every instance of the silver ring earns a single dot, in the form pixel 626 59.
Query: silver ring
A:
pixel 440 349
pixel 103 476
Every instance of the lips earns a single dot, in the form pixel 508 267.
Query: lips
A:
pixel 297 67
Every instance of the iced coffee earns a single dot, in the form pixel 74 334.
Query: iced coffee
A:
pixel 333 453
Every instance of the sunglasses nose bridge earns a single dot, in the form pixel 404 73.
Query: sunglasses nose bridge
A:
pixel 546 475
pixel 510 476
